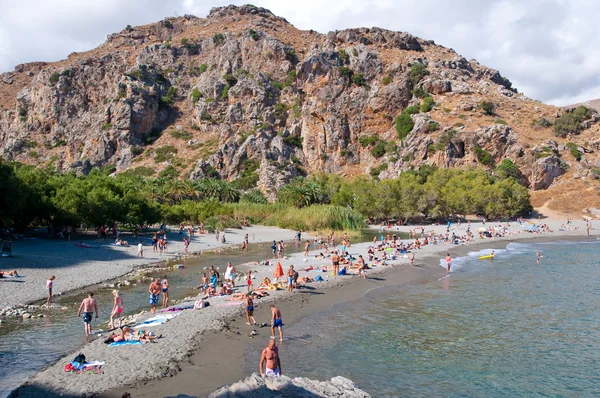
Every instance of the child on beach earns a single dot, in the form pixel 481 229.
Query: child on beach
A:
pixel 140 252
pixel 204 284
pixel 49 284
pixel 117 309
pixel 448 261
pixel 249 280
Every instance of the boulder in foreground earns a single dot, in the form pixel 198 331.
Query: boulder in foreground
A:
pixel 265 387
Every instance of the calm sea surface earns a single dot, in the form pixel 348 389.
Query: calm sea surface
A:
pixel 502 328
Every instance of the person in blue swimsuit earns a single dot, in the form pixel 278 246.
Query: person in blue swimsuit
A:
pixel 154 290
pixel 276 322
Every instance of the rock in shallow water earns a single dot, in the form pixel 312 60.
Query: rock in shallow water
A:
pixel 257 386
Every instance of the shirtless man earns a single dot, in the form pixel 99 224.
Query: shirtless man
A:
pixel 276 322
pixel 89 306
pixel 335 262
pixel 270 355
pixel 154 290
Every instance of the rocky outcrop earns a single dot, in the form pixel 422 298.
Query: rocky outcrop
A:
pixel 265 387
pixel 258 93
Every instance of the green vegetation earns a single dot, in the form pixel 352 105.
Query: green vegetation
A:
pixel 386 80
pixel 164 153
pixel 219 39
pixel 169 172
pixel 488 108
pixel 501 121
pixel 544 153
pixel 136 150
pixel 294 140
pixel 253 34
pixel 434 126
pixel 404 124
pixel 417 72
pixel 419 92
pixel 181 135
pixel 106 126
pixel 541 123
pixel 54 78
pixel 379 149
pixel 375 171
pixel 483 156
pixel 345 71
pixel 297 107
pixel 290 55
pixel 412 110
pixel 344 57
pixel 427 104
pixel 359 79
pixel 37 196
pixel 459 124
pixel 368 140
pixel 190 45
pixel 280 110
pixel 169 98
pixel 196 94
pixel 574 149
pixel 230 79
pixel 167 24
pixel 570 122
pixel 508 169
pixel 203 68
pixel 136 74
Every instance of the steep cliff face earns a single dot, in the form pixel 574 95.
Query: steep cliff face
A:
pixel 244 93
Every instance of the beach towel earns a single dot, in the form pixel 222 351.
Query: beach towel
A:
pixel 120 343
pixel 94 367
pixel 187 307
pixel 157 320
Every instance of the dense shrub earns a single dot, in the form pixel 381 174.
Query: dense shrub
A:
pixel 417 72
pixel 483 156
pixel 386 80
pixel 574 149
pixel 219 39
pixel 54 78
pixel 368 140
pixel 487 107
pixel 379 149
pixel 508 169
pixel 294 140
pixel 196 95
pixel 253 34
pixel 419 92
pixel 570 122
pixel 427 104
pixel 169 98
pixel 181 135
pixel 404 125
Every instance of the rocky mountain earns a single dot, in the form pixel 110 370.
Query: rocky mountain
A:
pixel 242 94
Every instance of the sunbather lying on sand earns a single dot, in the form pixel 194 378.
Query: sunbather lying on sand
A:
pixel 128 334
pixel 4 274
pixel 305 279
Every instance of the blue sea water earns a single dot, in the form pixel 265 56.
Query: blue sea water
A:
pixel 502 328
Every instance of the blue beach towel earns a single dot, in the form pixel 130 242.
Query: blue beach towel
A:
pixel 120 343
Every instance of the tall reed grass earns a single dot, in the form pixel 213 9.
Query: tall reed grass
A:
pixel 312 218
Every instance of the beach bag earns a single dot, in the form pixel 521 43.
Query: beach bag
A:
pixel 318 278
pixel 80 358
pixel 69 367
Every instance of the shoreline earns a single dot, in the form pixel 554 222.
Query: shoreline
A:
pixel 227 348
pixel 30 258
pixel 213 350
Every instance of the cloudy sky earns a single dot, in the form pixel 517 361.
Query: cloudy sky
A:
pixel 549 49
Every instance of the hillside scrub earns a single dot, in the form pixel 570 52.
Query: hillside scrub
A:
pixel 570 122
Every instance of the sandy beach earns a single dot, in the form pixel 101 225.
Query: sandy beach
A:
pixel 202 350
pixel 76 267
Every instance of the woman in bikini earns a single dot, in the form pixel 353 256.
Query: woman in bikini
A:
pixel 165 290
pixel 117 309
pixel 49 284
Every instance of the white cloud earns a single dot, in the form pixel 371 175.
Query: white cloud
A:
pixel 548 48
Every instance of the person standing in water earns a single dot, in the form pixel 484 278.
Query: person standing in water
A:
pixel 89 306
pixel 448 262
pixel 154 290
pixel 165 291
pixel 276 322
pixel 49 284
pixel 117 309
pixel 270 358
pixel 306 247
